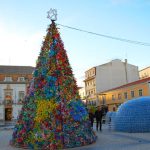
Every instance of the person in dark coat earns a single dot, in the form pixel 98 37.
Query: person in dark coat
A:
pixel 91 117
pixel 98 116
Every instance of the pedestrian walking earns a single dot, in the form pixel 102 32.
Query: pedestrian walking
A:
pixel 91 117
pixel 99 115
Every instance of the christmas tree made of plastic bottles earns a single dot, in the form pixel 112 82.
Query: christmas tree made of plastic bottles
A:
pixel 52 116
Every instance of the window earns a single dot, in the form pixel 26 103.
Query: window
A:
pixel 21 96
pixel 94 91
pixel 145 74
pixel 86 84
pixel 132 94
pixel 104 100
pixel 87 93
pixel 94 82
pixel 8 79
pixel 95 103
pixel 113 97
pixel 140 92
pixel 21 79
pixel 90 82
pixel 8 95
pixel 119 96
pixel 125 95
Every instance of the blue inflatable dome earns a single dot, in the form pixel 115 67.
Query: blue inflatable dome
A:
pixel 133 116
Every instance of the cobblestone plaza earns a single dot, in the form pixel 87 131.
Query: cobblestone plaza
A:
pixel 107 140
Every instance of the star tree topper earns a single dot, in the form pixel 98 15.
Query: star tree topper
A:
pixel 52 14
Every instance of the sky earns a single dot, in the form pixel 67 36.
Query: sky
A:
pixel 23 25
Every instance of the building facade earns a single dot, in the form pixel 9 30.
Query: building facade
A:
pixel 90 86
pixel 82 94
pixel 116 96
pixel 13 86
pixel 144 73
pixel 108 76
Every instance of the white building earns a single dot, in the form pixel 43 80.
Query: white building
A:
pixel 108 76
pixel 114 74
pixel 13 85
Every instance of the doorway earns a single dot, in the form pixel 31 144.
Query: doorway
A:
pixel 8 114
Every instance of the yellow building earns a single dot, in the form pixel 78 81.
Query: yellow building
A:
pixel 116 96
pixel 81 91
pixel 90 86
pixel 144 73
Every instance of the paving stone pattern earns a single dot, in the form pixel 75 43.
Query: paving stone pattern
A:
pixel 107 139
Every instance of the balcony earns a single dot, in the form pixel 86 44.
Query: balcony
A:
pixel 10 102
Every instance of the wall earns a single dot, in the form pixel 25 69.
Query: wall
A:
pixel 1 92
pixel 82 93
pixel 15 97
pixel 111 103
pixel 16 110
pixel 114 74
pixel 1 112
pixel 144 73
pixel 90 87
pixel 15 87
pixel 132 73
pixel 149 88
